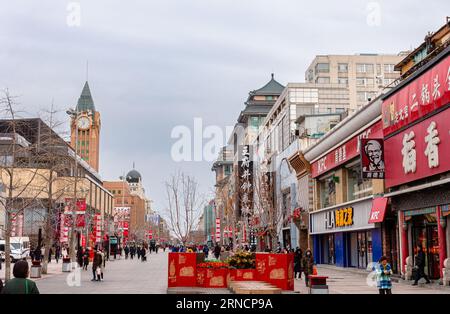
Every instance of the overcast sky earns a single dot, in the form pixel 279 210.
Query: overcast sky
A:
pixel 154 65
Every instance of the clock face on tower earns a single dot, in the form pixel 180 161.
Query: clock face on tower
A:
pixel 83 123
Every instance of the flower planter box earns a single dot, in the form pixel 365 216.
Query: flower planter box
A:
pixel 216 278
pixel 182 270
pixel 276 269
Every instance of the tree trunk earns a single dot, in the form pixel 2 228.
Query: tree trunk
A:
pixel 8 246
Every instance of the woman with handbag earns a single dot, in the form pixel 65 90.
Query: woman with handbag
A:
pixel 20 284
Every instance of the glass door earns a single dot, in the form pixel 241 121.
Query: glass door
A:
pixel 362 250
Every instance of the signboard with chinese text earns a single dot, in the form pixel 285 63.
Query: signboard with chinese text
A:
pixel 425 94
pixel 342 219
pixel 372 158
pixel 245 173
pixel 345 152
pixel 418 152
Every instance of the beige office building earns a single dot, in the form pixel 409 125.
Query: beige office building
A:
pixel 365 75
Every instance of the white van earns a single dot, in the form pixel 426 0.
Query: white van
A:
pixel 20 248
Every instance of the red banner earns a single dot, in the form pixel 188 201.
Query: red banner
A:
pixel 378 210
pixel 423 95
pixel 345 152
pixel 421 151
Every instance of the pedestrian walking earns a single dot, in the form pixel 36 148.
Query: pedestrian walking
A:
pixel 86 259
pixel 384 273
pixel 96 265
pixel 138 252
pixel 308 265
pixel 132 251
pixel 143 255
pixel 298 255
pixel 57 253
pixel 102 264
pixel 278 250
pixel 217 250
pixel 419 265
pixel 20 284
pixel 37 254
pixel 80 256
pixel 206 251
pixel 127 251
pixel 50 251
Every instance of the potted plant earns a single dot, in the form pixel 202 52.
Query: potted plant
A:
pixel 242 266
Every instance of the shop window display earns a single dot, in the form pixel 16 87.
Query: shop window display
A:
pixel 327 187
pixel 357 186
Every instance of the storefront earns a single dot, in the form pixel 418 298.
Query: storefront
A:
pixel 343 236
pixel 416 131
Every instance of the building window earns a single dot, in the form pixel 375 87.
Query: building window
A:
pixel 342 80
pixel 389 68
pixel 322 68
pixel 323 80
pixel 327 191
pixel 255 122
pixel 364 68
pixel 269 97
pixel 357 186
pixel 342 67
pixel 227 170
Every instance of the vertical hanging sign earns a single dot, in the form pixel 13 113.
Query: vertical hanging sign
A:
pixel 217 229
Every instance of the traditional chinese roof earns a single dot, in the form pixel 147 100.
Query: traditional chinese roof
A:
pixel 271 88
pixel 85 102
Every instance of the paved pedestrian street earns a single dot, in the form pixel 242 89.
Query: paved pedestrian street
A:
pixel 133 276
pixel 120 277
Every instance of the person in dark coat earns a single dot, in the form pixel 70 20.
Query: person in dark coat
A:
pixel 57 253
pixel 20 284
pixel 132 251
pixel 138 252
pixel 96 263
pixel 80 256
pixel 308 265
pixel 206 251
pixel 419 263
pixel 50 251
pixel 127 251
pixel 217 250
pixel 37 254
pixel 298 255
pixel 86 259
pixel 143 254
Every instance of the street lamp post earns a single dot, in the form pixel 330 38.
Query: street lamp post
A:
pixel 74 114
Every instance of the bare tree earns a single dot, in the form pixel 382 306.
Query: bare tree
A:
pixel 265 205
pixel 52 156
pixel 16 176
pixel 184 203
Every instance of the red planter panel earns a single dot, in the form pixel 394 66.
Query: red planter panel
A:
pixel 276 269
pixel 182 270
pixel 216 278
pixel 201 277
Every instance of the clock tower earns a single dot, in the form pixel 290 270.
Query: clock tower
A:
pixel 86 128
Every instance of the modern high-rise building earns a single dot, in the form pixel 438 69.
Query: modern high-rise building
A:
pixel 87 123
pixel 364 74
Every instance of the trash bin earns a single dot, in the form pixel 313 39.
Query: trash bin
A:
pixel 318 284
pixel 36 271
pixel 66 267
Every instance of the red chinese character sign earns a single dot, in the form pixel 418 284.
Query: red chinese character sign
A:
pixel 372 158
pixel 425 94
pixel 420 151
pixel 345 152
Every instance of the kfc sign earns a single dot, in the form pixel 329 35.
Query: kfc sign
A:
pixel 372 158
pixel 346 151
pixel 423 95
pixel 420 151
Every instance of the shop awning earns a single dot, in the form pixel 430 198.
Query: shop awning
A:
pixel 378 211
